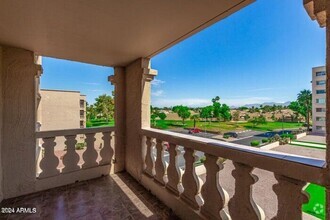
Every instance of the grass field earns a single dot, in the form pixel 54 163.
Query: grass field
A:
pixel 316 204
pixel 208 126
pixel 225 126
pixel 99 123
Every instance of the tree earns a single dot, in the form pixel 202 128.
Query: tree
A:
pixel 243 108
pixel 153 119
pixel 303 105
pixel 105 106
pixel 236 115
pixel 225 112
pixel 162 115
pixel 195 118
pixel 206 112
pixel 182 111
pixel 90 112
pixel 258 120
pixel 220 111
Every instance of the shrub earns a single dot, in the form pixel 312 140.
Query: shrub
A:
pixel 276 137
pixel 265 140
pixel 226 136
pixel 284 141
pixel 290 136
pixel 80 146
pixel 255 143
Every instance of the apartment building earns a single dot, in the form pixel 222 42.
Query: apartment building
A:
pixel 61 109
pixel 319 95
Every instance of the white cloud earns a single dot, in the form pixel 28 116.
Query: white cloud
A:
pixel 198 102
pixel 157 93
pixel 157 82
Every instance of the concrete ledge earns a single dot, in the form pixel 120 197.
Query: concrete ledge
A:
pixel 179 207
pixel 301 135
pixel 271 145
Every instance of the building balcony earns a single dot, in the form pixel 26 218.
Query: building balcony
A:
pixel 81 182
pixel 130 171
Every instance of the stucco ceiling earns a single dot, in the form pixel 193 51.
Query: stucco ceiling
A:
pixel 106 32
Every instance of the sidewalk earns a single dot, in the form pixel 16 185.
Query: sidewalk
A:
pixel 306 144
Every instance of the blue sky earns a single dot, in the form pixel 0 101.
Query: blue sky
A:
pixel 263 53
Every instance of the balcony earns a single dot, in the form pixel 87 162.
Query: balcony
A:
pixel 119 196
pixel 123 171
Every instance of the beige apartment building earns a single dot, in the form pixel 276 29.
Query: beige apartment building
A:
pixel 319 95
pixel 61 109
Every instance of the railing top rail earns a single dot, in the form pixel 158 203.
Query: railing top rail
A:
pixel 294 166
pixel 67 132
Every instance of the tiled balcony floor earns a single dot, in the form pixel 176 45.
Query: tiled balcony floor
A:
pixel 111 197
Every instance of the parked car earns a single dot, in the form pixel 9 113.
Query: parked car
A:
pixel 194 131
pixel 231 134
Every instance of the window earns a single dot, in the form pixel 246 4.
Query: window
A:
pixel 320 109
pixel 82 103
pixel 320 82
pixel 320 128
pixel 320 91
pixel 321 73
pixel 82 125
pixel 320 101
pixel 320 118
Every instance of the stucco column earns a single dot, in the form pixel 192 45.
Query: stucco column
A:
pixel 118 80
pixel 138 77
pixel 18 75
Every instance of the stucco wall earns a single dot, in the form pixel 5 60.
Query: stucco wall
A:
pixel 18 136
pixel 59 110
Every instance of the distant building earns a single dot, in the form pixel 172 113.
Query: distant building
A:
pixel 319 93
pixel 61 109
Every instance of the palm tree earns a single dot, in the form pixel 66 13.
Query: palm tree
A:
pixel 305 100
pixel 195 118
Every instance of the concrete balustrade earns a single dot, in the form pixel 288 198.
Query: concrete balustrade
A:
pixel 51 176
pixel 210 199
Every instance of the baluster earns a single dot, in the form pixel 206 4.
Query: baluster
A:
pixel 49 162
pixel 107 150
pixel 150 161
pixel 191 182
pixel 160 165
pixel 290 197
pixel 215 197
pixel 242 206
pixel 71 158
pixel 174 173
pixel 90 154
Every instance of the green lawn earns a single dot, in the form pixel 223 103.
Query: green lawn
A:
pixel 99 123
pixel 316 204
pixel 225 126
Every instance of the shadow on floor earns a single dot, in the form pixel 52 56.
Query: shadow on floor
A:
pixel 112 197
